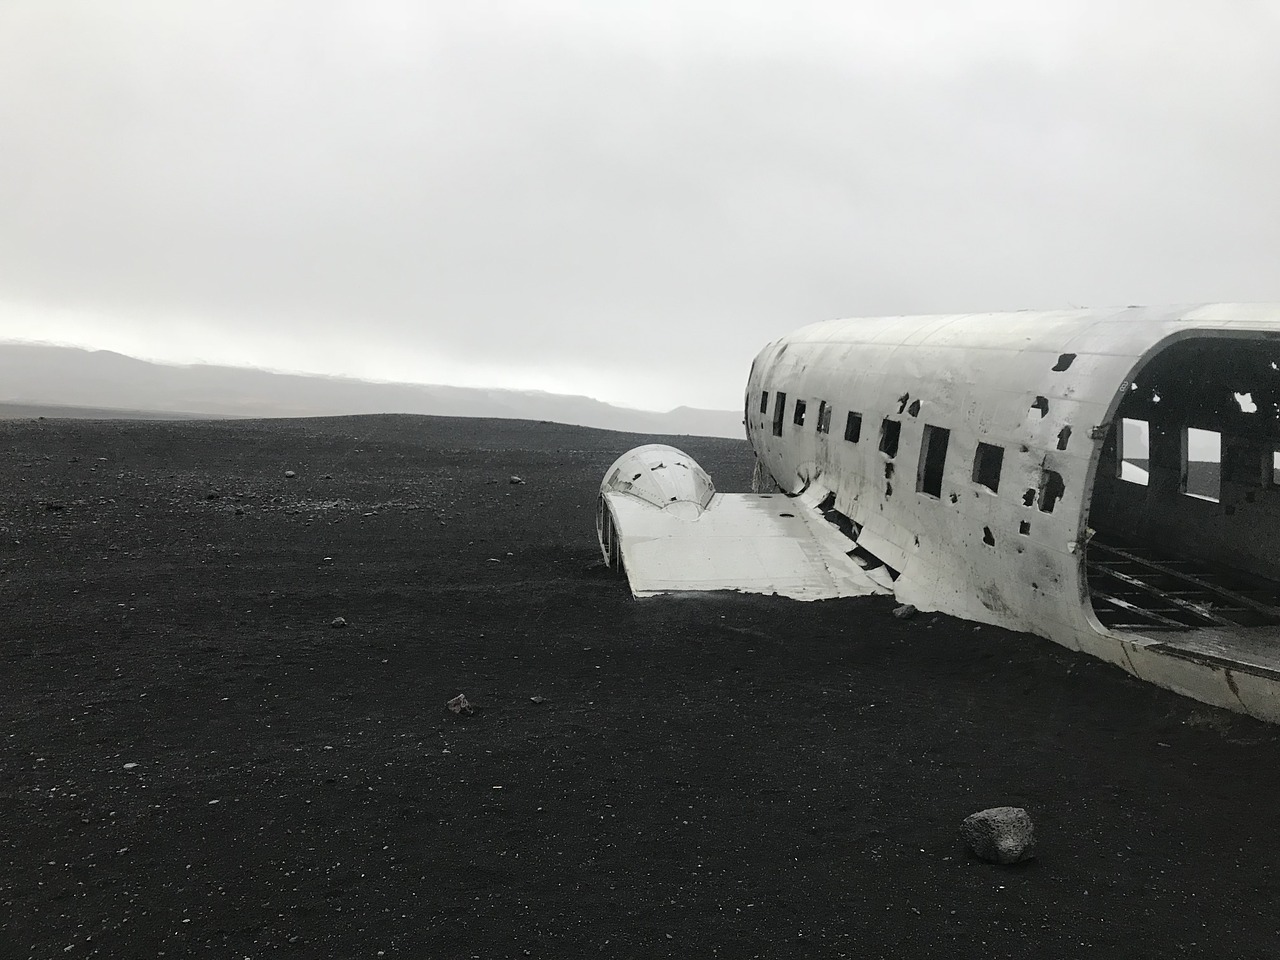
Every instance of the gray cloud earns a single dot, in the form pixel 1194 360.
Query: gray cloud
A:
pixel 625 200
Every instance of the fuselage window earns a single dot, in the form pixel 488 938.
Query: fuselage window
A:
pixel 933 460
pixel 824 417
pixel 799 415
pixel 1202 464
pixel 779 412
pixel 986 466
pixel 853 427
pixel 764 401
pixel 1133 453
pixel 890 431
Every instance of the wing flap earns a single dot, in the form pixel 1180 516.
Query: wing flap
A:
pixel 753 543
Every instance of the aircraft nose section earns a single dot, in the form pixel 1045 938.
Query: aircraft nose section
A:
pixel 663 476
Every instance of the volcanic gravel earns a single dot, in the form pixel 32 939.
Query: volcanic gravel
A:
pixel 195 761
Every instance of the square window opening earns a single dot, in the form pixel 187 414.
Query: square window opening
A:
pixel 779 412
pixel 824 417
pixel 890 433
pixel 798 419
pixel 853 427
pixel 1202 464
pixel 987 463
pixel 764 401
pixel 933 460
pixel 1133 451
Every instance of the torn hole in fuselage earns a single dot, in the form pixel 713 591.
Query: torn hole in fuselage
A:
pixel 869 561
pixel 1052 487
pixel 842 522
pixel 804 486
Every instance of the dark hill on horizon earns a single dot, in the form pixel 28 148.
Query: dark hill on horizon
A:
pixel 43 380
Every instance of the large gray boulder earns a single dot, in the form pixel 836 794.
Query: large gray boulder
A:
pixel 1000 834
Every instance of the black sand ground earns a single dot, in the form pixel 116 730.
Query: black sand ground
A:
pixel 193 762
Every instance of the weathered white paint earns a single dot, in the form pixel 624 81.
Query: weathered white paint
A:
pixel 1000 557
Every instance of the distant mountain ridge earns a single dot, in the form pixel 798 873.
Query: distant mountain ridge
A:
pixel 52 377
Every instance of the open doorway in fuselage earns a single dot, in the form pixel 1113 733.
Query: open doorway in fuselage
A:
pixel 1185 513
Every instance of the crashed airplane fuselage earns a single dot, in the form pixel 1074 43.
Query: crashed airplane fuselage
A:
pixel 1108 479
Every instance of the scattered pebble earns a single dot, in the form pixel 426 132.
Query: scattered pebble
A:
pixel 904 612
pixel 338 623
pixel 289 474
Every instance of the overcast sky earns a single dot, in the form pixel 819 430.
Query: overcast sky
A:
pixel 625 200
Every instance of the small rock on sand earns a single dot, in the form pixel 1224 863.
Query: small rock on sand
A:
pixel 1000 834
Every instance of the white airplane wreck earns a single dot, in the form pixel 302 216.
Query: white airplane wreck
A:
pixel 1108 479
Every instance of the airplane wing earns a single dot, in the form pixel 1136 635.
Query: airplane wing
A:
pixel 661 520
